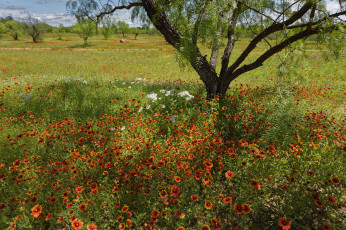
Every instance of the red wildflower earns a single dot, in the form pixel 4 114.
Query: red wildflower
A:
pixel 246 208
pixel 284 223
pixel 326 227
pixel 238 209
pixel 163 193
pixel 229 174
pixel 48 216
pixel 155 214
pixel 77 224
pixel 93 186
pixel 208 205
pixel 177 179
pixel 331 199
pixel 335 180
pixel 319 203
pixel 82 207
pixel 194 197
pixel 125 208
pixel 254 183
pixel 205 227
pixel 227 199
pixel 92 227
pixel 36 211
pixel 129 222
pixel 180 228
pixel 175 191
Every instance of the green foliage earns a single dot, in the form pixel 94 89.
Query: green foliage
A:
pixel 107 28
pixel 14 29
pixel 85 29
pixel 3 29
pixel 60 31
pixel 34 28
pixel 123 27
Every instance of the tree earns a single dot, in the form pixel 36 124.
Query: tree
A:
pixel 85 29
pixel 123 27
pixel 107 27
pixel 185 22
pixel 136 32
pixel 34 28
pixel 60 31
pixel 14 29
pixel 3 29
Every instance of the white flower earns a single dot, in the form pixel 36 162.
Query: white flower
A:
pixel 85 82
pixel 148 107
pixel 124 83
pixel 122 128
pixel 168 93
pixel 163 106
pixel 140 109
pixel 130 87
pixel 152 96
pixel 162 90
pixel 172 118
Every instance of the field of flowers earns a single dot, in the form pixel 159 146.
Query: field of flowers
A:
pixel 127 140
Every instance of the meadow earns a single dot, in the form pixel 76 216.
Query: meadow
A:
pixel 120 136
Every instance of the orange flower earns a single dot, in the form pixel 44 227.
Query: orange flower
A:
pixel 229 174
pixel 163 193
pixel 227 200
pixel 238 209
pixel 208 205
pixel 77 224
pixel 125 208
pixel 331 199
pixel 319 203
pixel 36 210
pixel 335 180
pixel 205 227
pixel 284 223
pixel 92 227
pixel 246 208
pixel 129 222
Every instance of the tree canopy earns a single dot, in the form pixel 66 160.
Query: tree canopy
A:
pixel 186 23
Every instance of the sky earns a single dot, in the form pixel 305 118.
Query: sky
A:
pixel 53 12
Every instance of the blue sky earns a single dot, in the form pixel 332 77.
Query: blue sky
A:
pixel 54 12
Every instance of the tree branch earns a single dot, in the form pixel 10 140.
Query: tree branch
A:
pixel 275 49
pixel 255 10
pixel 231 40
pixel 319 21
pixel 198 22
pixel 127 7
pixel 271 29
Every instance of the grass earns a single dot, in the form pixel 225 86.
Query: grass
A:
pixel 80 115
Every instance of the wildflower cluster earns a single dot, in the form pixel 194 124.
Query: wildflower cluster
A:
pixel 192 164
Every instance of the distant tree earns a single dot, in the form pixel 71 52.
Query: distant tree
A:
pixel 123 27
pixel 3 29
pixel 85 29
pixel 14 29
pixel 60 31
pixel 34 28
pixel 107 27
pixel 136 32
